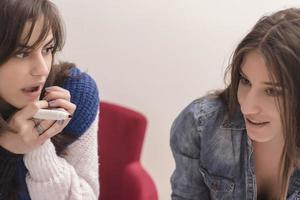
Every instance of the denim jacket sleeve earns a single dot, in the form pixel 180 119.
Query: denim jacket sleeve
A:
pixel 187 181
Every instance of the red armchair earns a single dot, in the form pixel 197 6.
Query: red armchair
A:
pixel 121 135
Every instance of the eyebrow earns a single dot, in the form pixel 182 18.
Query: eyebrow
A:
pixel 266 83
pixel 23 46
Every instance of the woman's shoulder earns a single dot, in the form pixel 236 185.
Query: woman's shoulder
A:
pixel 85 95
pixel 203 109
pixel 207 104
pixel 192 123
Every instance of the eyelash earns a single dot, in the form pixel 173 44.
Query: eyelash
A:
pixel 25 54
pixel 269 91
pixel 244 81
pixel 49 49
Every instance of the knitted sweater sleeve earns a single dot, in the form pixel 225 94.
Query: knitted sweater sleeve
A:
pixel 73 177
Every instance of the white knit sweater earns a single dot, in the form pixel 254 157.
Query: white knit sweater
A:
pixel 71 177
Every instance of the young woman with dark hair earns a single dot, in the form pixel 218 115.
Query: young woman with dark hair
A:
pixel 243 142
pixel 43 159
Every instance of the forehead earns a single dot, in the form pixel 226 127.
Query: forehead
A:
pixel 254 67
pixel 32 33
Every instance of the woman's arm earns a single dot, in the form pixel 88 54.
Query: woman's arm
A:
pixel 186 181
pixel 72 177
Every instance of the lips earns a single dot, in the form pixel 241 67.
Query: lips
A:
pixel 256 123
pixel 33 91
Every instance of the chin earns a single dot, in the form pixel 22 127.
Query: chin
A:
pixel 260 138
pixel 21 105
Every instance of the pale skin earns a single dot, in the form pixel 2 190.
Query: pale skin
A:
pixel 257 98
pixel 30 70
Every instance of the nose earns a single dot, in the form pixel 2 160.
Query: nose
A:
pixel 249 103
pixel 40 66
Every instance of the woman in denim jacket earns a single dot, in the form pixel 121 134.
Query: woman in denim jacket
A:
pixel 243 143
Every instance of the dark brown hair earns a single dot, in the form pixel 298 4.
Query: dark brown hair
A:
pixel 277 38
pixel 14 14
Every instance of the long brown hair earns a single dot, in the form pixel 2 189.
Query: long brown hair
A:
pixel 277 38
pixel 14 14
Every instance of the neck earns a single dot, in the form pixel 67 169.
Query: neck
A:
pixel 267 157
pixel 272 149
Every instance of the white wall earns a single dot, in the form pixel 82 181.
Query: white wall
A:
pixel 156 56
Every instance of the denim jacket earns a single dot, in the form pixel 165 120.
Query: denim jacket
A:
pixel 213 155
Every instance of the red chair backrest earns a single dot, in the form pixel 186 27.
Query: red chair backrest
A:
pixel 120 139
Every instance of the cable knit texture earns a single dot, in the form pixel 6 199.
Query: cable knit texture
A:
pixel 75 175
pixel 84 94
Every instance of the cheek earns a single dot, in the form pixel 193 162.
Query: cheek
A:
pixel 49 61
pixel 6 77
pixel 273 105
pixel 241 93
pixel 271 110
pixel 278 104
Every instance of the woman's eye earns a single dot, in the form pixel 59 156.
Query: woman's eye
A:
pixel 244 81
pixel 273 92
pixel 48 50
pixel 22 55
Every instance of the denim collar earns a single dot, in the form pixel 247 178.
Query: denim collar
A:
pixel 235 123
pixel 294 184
